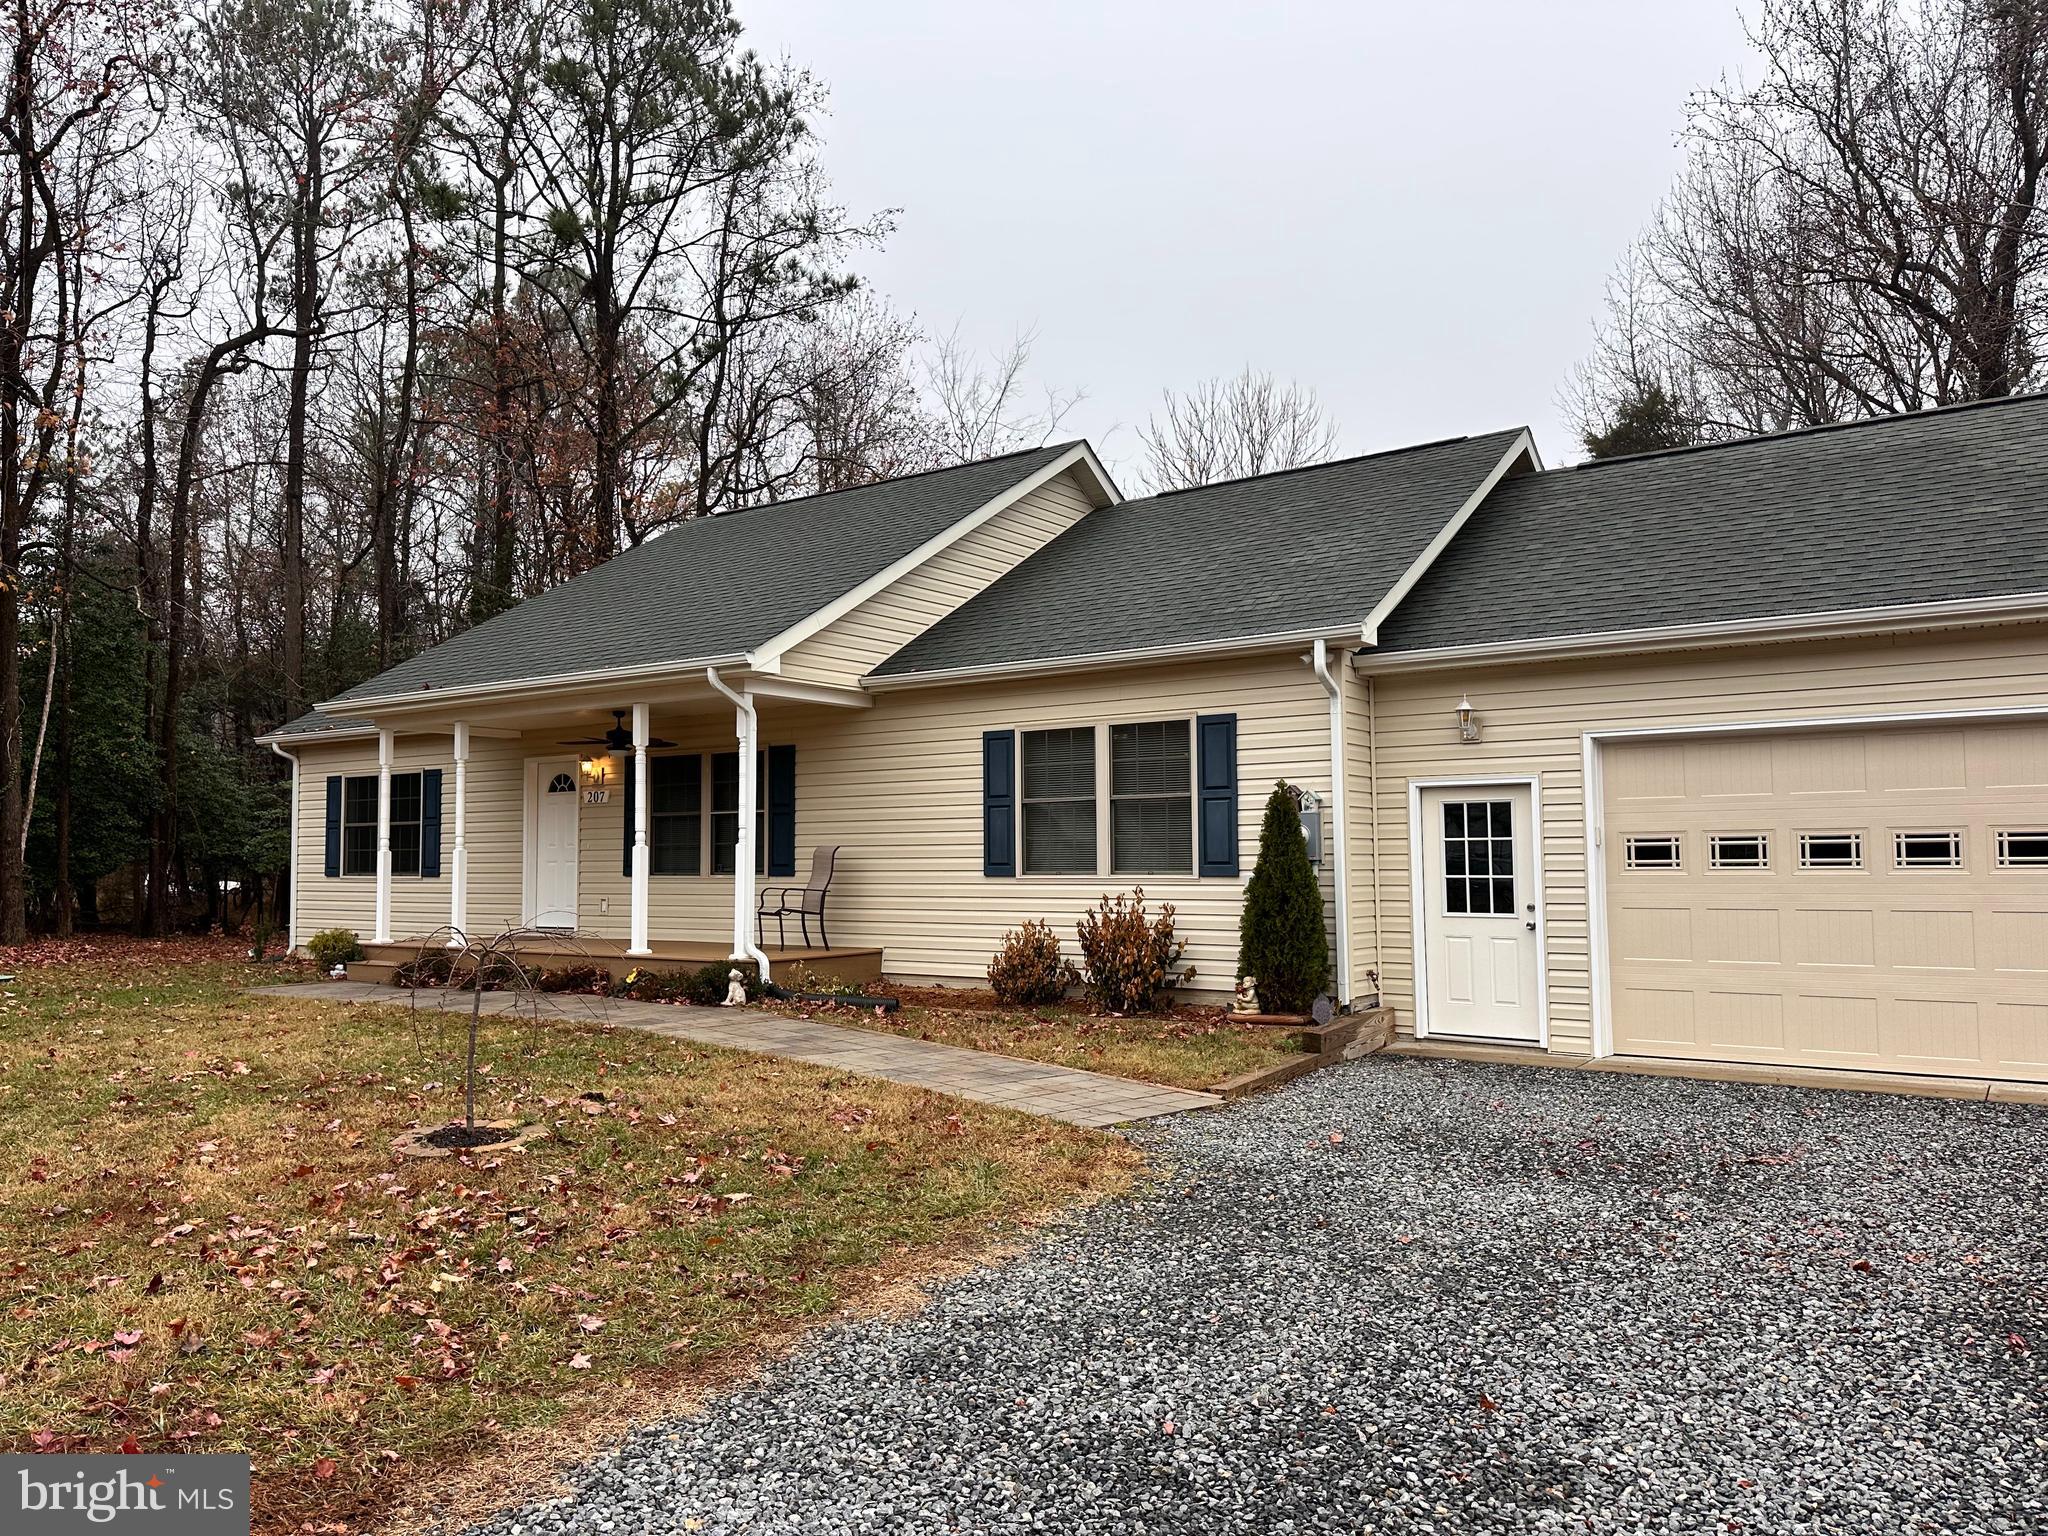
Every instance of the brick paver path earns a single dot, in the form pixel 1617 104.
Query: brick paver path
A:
pixel 1034 1087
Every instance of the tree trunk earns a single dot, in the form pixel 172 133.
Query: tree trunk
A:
pixel 305 317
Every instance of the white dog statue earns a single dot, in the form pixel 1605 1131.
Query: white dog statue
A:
pixel 735 990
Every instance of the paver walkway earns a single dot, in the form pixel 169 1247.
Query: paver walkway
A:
pixel 1037 1088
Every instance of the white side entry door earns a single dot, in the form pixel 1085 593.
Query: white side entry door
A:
pixel 556 807
pixel 1479 894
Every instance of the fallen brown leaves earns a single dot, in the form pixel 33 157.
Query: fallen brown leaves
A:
pixel 208 1242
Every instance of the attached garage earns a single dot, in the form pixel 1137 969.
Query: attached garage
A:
pixel 1864 897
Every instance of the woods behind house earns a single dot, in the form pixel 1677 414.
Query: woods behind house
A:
pixel 328 329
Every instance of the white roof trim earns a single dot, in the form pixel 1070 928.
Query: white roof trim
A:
pixel 1523 444
pixel 514 687
pixel 1837 623
pixel 288 739
pixel 1045 666
pixel 1079 456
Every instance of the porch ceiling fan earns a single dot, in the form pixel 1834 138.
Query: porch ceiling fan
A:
pixel 618 739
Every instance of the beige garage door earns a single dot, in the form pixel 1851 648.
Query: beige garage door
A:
pixel 1873 899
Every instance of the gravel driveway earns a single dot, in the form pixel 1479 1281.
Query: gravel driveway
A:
pixel 1409 1296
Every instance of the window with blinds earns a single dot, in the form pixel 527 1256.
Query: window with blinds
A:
pixel 675 813
pixel 1151 799
pixel 1059 801
pixel 725 813
pixel 359 824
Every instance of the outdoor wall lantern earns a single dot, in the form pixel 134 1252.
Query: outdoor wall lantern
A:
pixel 1468 722
pixel 595 770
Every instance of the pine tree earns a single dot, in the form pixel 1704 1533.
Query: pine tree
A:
pixel 1281 939
pixel 1648 421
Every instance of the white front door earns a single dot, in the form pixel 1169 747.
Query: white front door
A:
pixel 552 839
pixel 1479 913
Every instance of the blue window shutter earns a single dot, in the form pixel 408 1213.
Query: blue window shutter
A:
pixel 1216 778
pixel 627 778
pixel 782 810
pixel 430 823
pixel 999 803
pixel 333 826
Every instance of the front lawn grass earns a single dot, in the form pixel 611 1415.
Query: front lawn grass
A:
pixel 1187 1048
pixel 208 1243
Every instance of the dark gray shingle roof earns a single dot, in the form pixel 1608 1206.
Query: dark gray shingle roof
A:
pixel 1903 509
pixel 714 586
pixel 313 723
pixel 1306 549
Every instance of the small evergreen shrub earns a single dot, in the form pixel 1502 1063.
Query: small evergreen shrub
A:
pixel 1127 955
pixel 334 946
pixel 1281 939
pixel 1029 968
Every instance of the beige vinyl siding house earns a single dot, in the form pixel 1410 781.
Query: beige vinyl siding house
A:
pixel 1535 720
pixel 849 648
pixel 899 787
pixel 1734 757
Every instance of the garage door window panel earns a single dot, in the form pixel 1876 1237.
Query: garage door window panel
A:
pixel 2023 850
pixel 1658 851
pixel 1927 850
pixel 1739 850
pixel 1831 850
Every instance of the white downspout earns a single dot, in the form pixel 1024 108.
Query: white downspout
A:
pixel 747 728
pixel 291 889
pixel 1320 659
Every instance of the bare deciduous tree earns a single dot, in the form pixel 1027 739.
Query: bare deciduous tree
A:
pixel 982 406
pixel 1860 232
pixel 1225 429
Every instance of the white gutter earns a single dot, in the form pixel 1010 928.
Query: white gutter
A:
pixel 1051 666
pixel 1334 687
pixel 1841 623
pixel 523 687
pixel 747 728
pixel 291 921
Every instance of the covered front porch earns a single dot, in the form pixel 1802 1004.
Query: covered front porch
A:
pixel 637 824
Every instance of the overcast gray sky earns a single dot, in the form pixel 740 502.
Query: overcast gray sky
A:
pixel 1409 206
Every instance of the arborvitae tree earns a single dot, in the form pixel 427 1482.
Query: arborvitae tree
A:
pixel 1281 939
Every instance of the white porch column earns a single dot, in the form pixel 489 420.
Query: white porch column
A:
pixel 747 729
pixel 642 854
pixel 458 869
pixel 383 934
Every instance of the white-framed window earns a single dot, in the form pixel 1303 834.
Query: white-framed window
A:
pixel 1831 850
pixel 359 824
pixel 1656 850
pixel 1739 850
pixel 1479 858
pixel 2023 849
pixel 675 813
pixel 1109 799
pixel 1057 800
pixel 725 812
pixel 1152 798
pixel 1927 850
